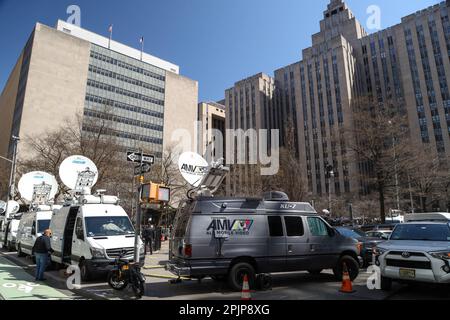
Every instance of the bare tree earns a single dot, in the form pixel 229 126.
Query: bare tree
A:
pixel 378 139
pixel 290 177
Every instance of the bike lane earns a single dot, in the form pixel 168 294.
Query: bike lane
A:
pixel 16 284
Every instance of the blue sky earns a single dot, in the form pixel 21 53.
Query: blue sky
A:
pixel 216 42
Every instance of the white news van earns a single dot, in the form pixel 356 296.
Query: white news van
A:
pixel 92 234
pixel 90 230
pixel 31 226
pixel 11 234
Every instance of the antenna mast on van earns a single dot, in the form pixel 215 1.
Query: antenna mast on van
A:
pixel 206 179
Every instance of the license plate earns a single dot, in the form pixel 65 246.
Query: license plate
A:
pixel 125 267
pixel 408 273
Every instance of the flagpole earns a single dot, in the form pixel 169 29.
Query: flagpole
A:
pixel 142 47
pixel 110 36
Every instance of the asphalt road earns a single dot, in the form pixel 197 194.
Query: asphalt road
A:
pixel 285 286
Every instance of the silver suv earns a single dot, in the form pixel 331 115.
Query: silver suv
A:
pixel 418 250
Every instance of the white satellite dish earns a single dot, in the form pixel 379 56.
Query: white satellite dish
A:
pixel 30 183
pixel 13 207
pixel 192 167
pixel 78 172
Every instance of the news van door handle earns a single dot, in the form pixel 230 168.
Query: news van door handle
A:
pixel 290 248
pixel 312 247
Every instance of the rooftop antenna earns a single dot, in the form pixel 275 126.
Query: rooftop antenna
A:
pixel 204 178
pixel 79 174
pixel 38 188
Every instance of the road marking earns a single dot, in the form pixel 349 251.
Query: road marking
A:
pixel 17 284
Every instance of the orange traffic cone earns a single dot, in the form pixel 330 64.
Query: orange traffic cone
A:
pixel 245 289
pixel 347 286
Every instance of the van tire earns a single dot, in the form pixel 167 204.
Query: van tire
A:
pixel 236 275
pixel 19 251
pixel 84 271
pixel 386 284
pixel 352 265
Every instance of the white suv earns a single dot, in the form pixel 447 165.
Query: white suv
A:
pixel 418 250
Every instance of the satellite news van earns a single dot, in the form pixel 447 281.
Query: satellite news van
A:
pixel 90 230
pixel 8 223
pixel 38 188
pixel 227 238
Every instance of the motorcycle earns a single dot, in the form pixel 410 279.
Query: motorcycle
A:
pixel 124 273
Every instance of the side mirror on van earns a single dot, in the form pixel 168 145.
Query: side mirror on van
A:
pixel 80 235
pixel 332 232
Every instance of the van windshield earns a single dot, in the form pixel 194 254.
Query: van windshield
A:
pixel 108 226
pixel 43 225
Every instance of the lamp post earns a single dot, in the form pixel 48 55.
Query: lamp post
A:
pixel 12 175
pixel 329 174
pixel 397 192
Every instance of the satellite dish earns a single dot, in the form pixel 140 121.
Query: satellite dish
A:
pixel 13 207
pixel 30 183
pixel 78 172
pixel 192 167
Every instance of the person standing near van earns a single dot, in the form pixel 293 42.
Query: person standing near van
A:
pixel 41 250
pixel 148 241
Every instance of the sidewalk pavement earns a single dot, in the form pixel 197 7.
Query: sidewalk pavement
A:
pixel 17 284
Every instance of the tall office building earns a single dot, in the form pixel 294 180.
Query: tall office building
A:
pixel 65 71
pixel 408 62
pixel 211 116
pixel 249 105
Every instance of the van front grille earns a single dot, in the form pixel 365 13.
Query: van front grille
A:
pixel 115 253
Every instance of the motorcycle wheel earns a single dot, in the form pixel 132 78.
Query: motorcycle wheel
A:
pixel 115 281
pixel 139 289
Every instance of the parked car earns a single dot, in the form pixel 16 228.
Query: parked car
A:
pixel 367 242
pixel 417 250
pixel 227 238
pixel 381 234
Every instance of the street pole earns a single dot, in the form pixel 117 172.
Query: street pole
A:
pixel 138 213
pixel 396 171
pixel 12 174
pixel 350 211
pixel 410 194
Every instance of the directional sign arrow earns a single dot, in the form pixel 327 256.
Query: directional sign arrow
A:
pixel 136 157
pixel 140 170
pixel 133 157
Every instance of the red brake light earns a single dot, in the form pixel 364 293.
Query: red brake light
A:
pixel 188 250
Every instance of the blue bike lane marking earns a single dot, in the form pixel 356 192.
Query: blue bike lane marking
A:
pixel 17 284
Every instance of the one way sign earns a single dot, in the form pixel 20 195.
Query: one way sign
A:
pixel 136 157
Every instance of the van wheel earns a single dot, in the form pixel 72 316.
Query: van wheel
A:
pixel 386 284
pixel 84 271
pixel 19 251
pixel 236 275
pixel 10 246
pixel 315 272
pixel 352 266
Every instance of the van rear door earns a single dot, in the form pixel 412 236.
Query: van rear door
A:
pixel 181 224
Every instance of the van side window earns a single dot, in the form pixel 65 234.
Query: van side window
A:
pixel 294 226
pixel 317 227
pixel 275 226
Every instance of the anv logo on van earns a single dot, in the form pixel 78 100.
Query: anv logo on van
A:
pixel 223 226
pixel 188 168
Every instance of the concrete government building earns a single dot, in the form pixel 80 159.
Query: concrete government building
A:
pixel 65 71
pixel 409 62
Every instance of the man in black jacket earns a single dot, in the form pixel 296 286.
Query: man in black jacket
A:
pixel 41 250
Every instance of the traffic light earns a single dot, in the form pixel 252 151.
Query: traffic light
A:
pixel 154 192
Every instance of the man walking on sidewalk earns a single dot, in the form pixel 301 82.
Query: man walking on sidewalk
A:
pixel 41 251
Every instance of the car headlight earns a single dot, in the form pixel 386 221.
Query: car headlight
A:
pixel 441 255
pixel 378 251
pixel 97 253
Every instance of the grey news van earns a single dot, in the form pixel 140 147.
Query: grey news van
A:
pixel 225 238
